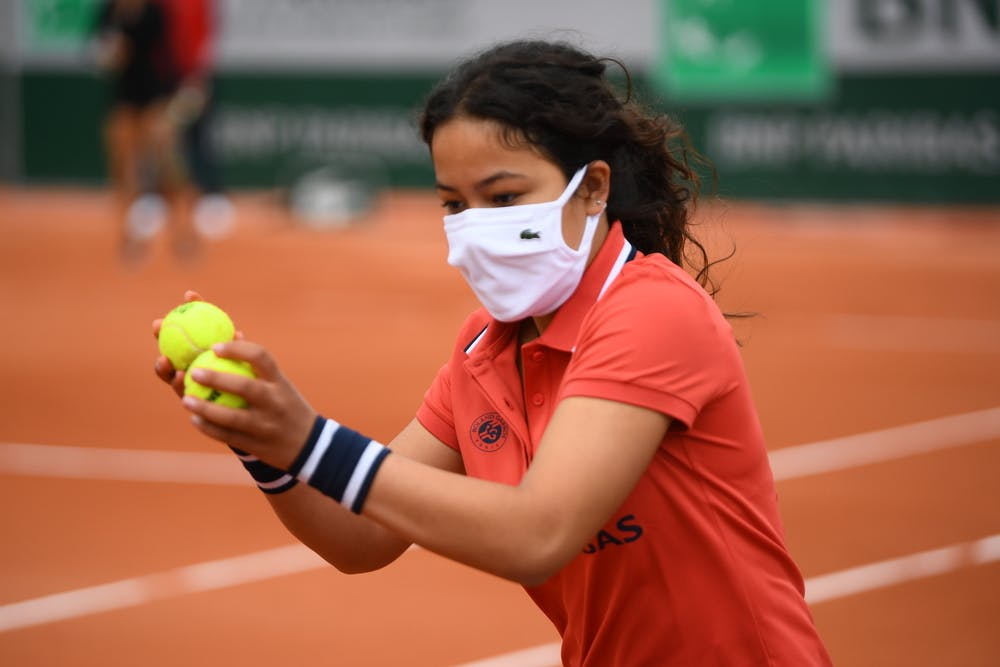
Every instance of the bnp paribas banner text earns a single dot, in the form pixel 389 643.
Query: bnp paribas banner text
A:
pixel 894 100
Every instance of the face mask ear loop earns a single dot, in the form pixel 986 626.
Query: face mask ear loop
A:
pixel 590 223
pixel 574 183
pixel 589 231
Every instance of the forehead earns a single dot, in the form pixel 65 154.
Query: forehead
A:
pixel 467 147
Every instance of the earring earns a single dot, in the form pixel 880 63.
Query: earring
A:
pixel 598 201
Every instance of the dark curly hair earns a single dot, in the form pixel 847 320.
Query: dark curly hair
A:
pixel 558 99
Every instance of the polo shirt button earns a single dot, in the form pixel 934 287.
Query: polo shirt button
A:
pixel 538 399
pixel 537 356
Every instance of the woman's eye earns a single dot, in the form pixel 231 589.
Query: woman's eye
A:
pixel 451 207
pixel 504 199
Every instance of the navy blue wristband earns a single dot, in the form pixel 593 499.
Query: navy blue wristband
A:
pixel 269 479
pixel 339 462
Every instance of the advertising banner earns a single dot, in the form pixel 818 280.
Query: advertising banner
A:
pixel 894 100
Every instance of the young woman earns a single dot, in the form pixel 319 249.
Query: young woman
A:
pixel 592 435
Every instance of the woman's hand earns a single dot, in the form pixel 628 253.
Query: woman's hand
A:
pixel 277 420
pixel 162 366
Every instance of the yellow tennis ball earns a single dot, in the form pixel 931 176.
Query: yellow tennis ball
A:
pixel 212 362
pixel 190 329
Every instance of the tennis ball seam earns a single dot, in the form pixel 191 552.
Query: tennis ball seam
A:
pixel 187 337
pixel 195 349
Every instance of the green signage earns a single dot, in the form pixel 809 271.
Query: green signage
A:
pixel 55 24
pixel 742 50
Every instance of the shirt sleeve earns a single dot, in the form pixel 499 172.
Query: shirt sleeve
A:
pixel 435 413
pixel 656 340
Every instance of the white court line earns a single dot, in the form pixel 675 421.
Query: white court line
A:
pixel 546 655
pixel 213 468
pixel 885 445
pixel 899 570
pixel 206 576
pixel 297 558
pixel 790 463
pixel 132 465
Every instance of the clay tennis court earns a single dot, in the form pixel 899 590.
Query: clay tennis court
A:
pixel 130 539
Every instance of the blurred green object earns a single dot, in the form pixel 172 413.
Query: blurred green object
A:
pixel 52 24
pixel 742 50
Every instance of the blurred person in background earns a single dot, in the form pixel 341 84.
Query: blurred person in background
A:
pixel 144 163
pixel 192 27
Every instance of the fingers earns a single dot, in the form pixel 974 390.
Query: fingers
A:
pixel 213 430
pixel 263 363
pixel 247 429
pixel 178 383
pixel 228 419
pixel 249 388
pixel 157 324
pixel 166 372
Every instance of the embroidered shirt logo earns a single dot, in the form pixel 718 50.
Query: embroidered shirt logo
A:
pixel 489 432
pixel 527 234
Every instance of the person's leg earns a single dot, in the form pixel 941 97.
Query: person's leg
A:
pixel 123 145
pixel 163 142
pixel 213 212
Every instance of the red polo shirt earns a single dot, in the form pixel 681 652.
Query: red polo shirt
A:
pixel 692 569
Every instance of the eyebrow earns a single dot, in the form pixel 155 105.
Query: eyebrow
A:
pixel 489 180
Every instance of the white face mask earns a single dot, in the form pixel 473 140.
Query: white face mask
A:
pixel 515 258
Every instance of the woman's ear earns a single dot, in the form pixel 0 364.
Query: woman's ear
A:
pixel 596 186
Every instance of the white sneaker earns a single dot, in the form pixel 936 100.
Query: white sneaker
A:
pixel 146 217
pixel 214 216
